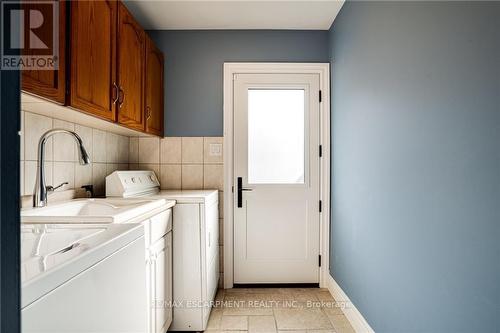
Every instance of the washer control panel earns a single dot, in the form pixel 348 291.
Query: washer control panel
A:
pixel 131 183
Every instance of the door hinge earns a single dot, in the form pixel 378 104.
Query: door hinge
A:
pixel 320 206
pixel 320 150
pixel 319 260
pixel 320 96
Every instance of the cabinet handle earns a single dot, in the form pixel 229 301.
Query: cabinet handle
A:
pixel 209 239
pixel 148 112
pixel 121 96
pixel 115 92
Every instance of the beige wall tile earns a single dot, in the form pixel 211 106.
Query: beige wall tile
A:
pixel 83 175
pixel 98 146
pixel 98 178
pixel 123 166
pixel 110 168
pixel 192 150
pixel 64 172
pixel 30 175
pixel 221 259
pixel 133 152
pixel 123 149
pixel 261 324
pixel 210 145
pixel 221 232
pixel 221 280
pixel 85 134
pixel 151 167
pixel 192 176
pixel 171 150
pixel 64 145
pixel 221 204
pixel 213 177
pixel 112 147
pixel 133 166
pixel 22 136
pixel 35 126
pixel 149 150
pixel 170 176
pixel 21 178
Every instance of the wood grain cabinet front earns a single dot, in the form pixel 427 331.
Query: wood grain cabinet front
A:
pixel 115 72
pixel 93 58
pixel 50 84
pixel 154 89
pixel 131 64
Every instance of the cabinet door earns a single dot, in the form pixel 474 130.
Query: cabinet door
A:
pixel 162 283
pixel 93 57
pixel 154 89
pixel 49 84
pixel 131 64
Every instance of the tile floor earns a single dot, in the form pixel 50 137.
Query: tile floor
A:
pixel 280 310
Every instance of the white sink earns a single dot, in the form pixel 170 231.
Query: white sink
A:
pixel 91 211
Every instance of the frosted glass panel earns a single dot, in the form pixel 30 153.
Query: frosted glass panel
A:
pixel 275 136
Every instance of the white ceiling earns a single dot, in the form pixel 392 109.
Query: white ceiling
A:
pixel 235 14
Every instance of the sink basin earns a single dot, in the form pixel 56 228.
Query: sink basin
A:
pixel 91 211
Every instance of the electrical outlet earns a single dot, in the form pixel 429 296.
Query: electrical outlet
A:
pixel 215 149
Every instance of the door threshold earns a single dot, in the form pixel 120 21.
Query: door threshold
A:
pixel 276 285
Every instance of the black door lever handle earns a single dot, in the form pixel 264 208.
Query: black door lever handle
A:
pixel 240 190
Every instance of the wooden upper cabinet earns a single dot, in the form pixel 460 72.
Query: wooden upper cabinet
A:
pixel 131 65
pixel 154 89
pixel 115 70
pixel 50 84
pixel 93 58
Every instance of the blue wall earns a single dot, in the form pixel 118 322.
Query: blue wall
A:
pixel 416 164
pixel 194 67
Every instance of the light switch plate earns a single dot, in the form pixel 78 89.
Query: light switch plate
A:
pixel 215 149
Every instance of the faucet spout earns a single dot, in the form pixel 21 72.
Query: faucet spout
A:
pixel 40 192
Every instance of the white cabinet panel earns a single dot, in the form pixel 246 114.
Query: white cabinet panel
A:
pixel 161 284
pixel 110 296
pixel 196 270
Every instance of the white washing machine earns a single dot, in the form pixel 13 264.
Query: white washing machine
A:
pixel 195 243
pixel 156 218
pixel 83 278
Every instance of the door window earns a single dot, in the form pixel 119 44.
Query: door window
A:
pixel 276 120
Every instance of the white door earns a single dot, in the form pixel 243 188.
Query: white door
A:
pixel 276 178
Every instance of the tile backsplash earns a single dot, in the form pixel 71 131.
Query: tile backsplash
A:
pixel 108 152
pixel 184 163
pixel 179 162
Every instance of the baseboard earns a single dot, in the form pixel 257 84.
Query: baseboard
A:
pixel 357 321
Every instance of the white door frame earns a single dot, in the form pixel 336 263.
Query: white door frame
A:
pixel 323 70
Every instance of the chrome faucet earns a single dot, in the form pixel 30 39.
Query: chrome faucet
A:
pixel 40 193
